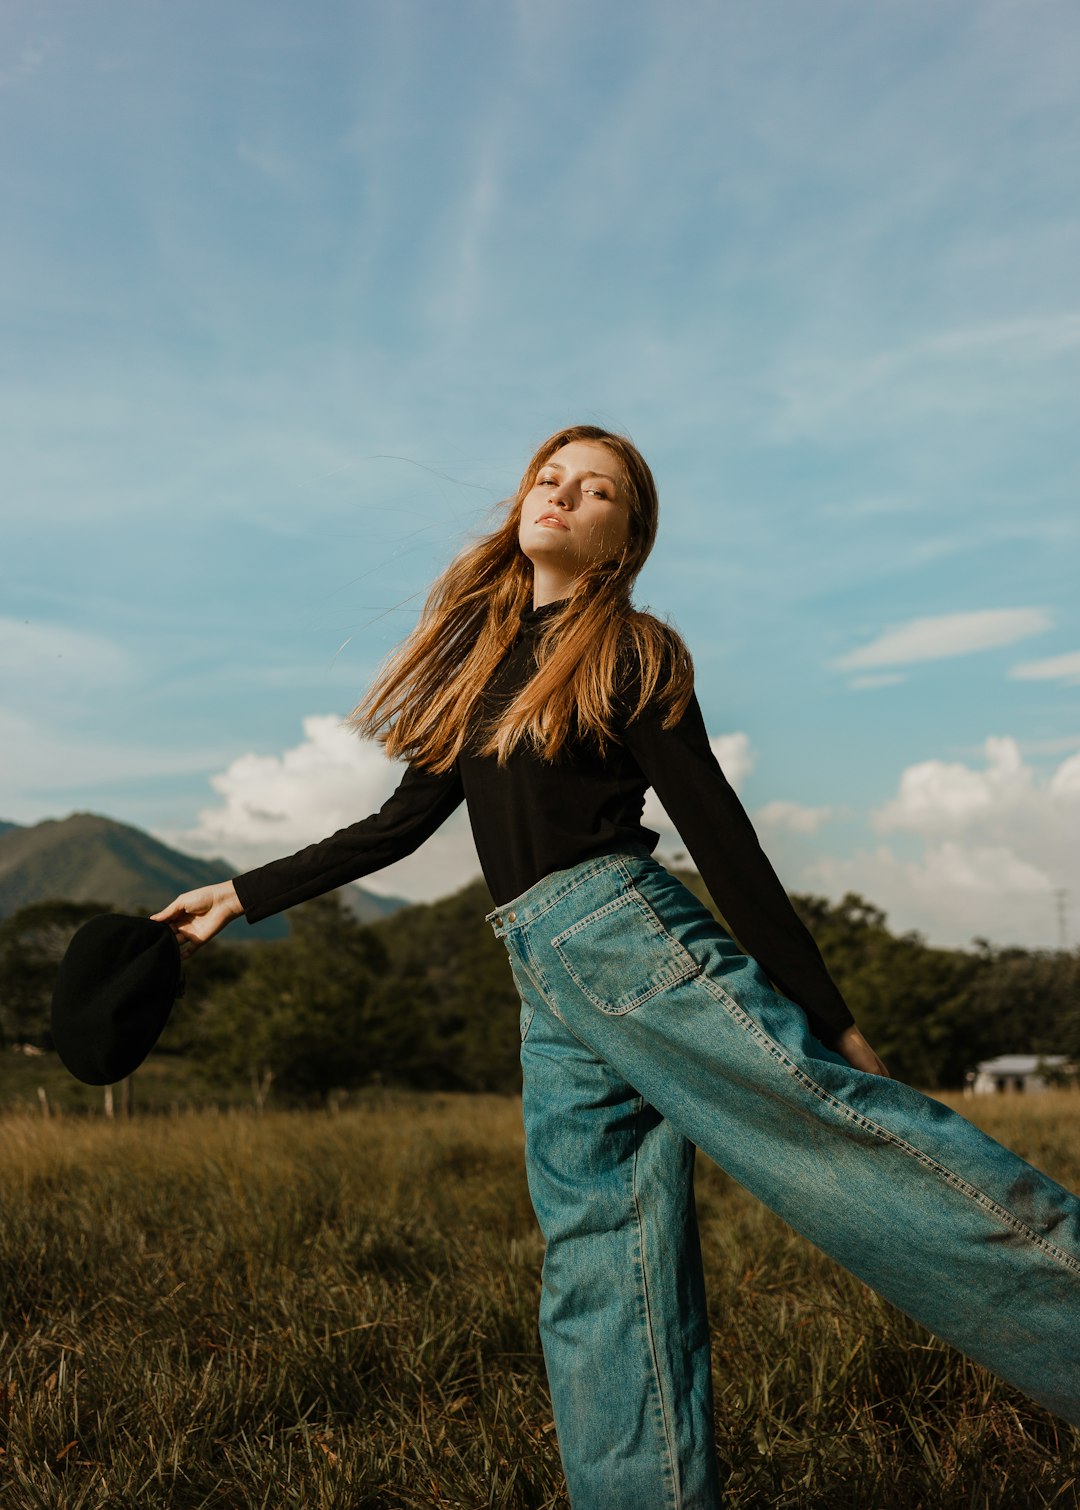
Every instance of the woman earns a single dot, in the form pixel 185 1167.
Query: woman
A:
pixel 535 692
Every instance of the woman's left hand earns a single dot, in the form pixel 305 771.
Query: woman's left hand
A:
pixel 858 1052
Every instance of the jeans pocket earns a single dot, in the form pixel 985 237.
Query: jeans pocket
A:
pixel 621 954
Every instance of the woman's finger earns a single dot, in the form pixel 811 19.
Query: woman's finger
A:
pixel 188 942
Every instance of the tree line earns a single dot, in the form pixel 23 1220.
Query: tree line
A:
pixel 425 999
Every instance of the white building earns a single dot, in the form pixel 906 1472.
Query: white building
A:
pixel 1013 1072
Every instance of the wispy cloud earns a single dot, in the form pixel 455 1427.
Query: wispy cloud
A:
pixel 463 273
pixel 1055 746
pixel 269 161
pixel 871 506
pixel 963 370
pixel 1064 668
pixel 873 680
pixel 43 655
pixel 942 635
pixel 42 765
pixel 26 64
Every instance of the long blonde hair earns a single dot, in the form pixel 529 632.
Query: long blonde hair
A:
pixel 426 697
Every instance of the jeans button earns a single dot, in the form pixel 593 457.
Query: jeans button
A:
pixel 510 916
pixel 498 922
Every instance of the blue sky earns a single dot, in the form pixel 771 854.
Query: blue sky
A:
pixel 290 295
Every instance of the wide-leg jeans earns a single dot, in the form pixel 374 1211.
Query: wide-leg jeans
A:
pixel 646 1032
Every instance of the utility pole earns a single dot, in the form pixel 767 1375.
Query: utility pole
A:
pixel 1060 894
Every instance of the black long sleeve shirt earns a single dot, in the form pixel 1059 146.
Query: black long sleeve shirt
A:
pixel 531 817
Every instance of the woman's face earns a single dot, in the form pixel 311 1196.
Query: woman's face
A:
pixel 577 512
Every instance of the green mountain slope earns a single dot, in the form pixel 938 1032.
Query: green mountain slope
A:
pixel 90 857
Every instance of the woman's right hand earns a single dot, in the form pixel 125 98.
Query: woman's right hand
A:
pixel 196 916
pixel 855 1049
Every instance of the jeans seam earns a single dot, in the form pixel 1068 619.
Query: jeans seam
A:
pixel 963 1186
pixel 543 990
pixel 537 976
pixel 523 1032
pixel 665 1410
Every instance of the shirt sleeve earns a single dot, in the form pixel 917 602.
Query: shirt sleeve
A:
pixel 421 802
pixel 682 769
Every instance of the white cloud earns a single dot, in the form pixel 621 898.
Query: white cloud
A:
pixel 936 796
pixel 942 635
pixel 1065 782
pixel 997 844
pixel 274 805
pixel 736 756
pixel 952 893
pixel 793 815
pixel 1064 668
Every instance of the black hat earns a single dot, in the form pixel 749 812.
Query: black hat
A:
pixel 114 991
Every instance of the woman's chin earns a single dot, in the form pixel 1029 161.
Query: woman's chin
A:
pixel 552 549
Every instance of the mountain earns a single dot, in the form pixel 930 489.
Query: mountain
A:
pixel 90 858
pixel 369 906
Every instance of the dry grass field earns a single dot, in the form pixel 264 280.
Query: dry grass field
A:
pixel 313 1310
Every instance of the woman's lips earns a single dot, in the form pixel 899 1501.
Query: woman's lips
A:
pixel 552 519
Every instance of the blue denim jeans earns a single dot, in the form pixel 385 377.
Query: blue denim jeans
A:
pixel 646 1032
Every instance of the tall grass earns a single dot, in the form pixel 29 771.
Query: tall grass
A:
pixel 326 1311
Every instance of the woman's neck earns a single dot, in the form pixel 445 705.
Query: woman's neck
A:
pixel 537 610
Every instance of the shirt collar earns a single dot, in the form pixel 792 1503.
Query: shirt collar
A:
pixel 532 615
